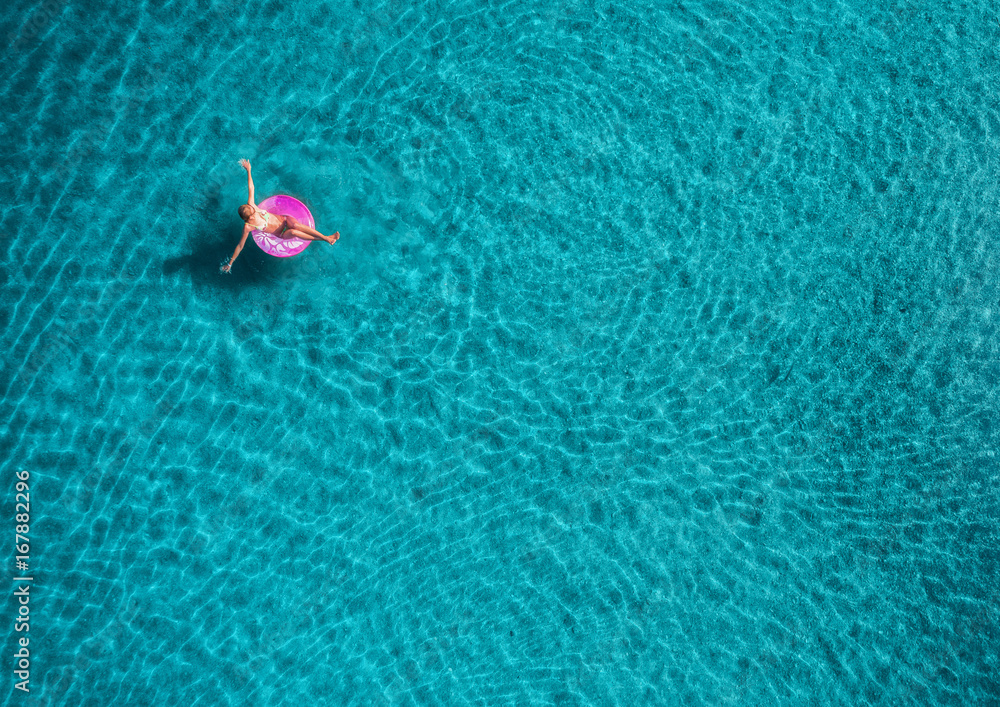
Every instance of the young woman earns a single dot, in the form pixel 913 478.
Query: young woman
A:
pixel 257 219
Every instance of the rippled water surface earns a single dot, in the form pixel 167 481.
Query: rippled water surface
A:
pixel 656 364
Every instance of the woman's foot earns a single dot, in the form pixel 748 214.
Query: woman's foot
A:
pixel 332 239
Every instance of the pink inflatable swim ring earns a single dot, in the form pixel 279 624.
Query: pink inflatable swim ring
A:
pixel 283 205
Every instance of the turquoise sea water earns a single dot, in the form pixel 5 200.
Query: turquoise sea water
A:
pixel 656 364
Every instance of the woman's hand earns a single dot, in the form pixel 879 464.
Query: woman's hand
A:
pixel 226 265
pixel 245 164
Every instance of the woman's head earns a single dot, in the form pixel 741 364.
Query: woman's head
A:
pixel 246 211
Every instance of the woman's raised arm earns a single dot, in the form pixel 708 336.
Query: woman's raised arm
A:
pixel 245 164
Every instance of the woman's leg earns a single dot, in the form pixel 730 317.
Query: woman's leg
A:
pixel 299 226
pixel 296 233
